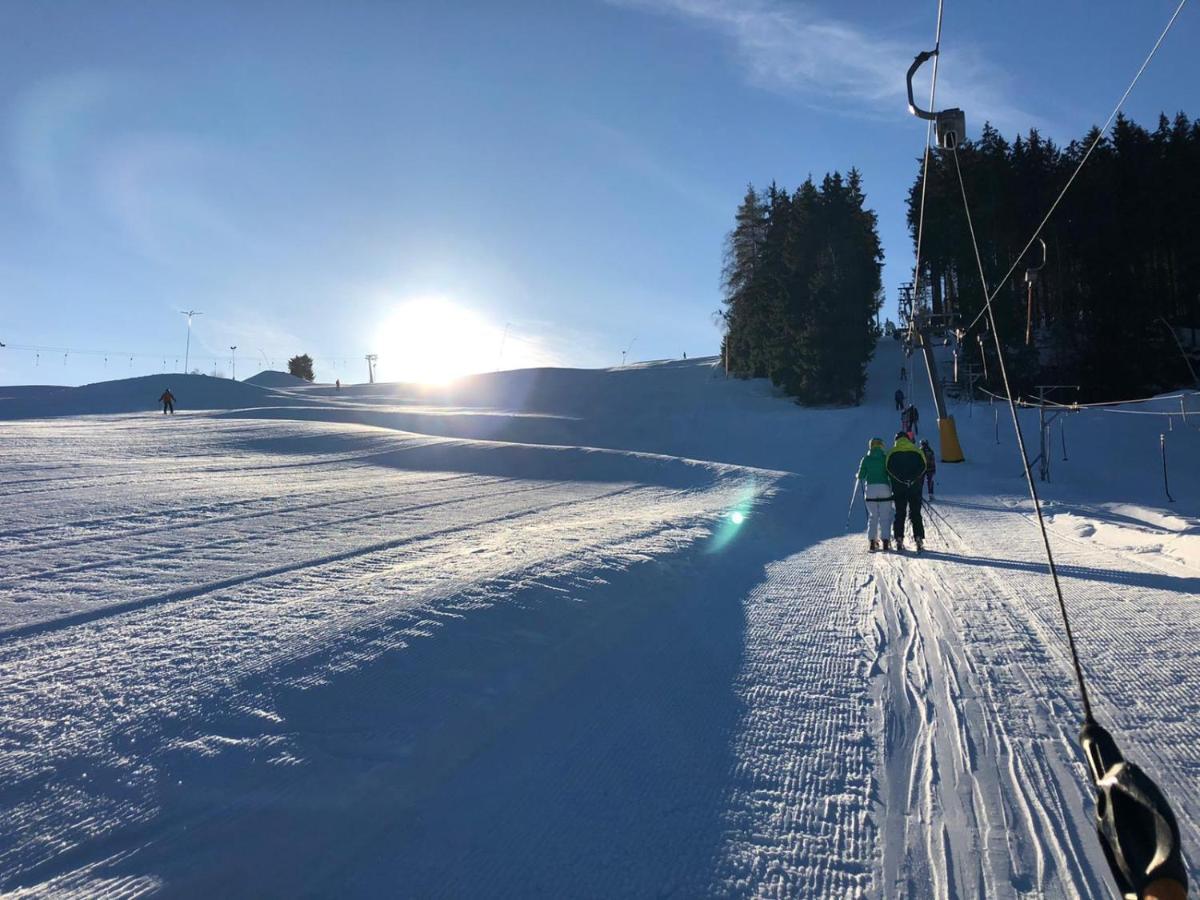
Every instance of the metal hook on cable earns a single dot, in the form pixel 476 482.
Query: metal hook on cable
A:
pixel 950 125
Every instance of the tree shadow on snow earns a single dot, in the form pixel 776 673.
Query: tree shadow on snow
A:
pixel 552 739
pixel 1121 577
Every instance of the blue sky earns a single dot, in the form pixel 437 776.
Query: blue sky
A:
pixel 318 177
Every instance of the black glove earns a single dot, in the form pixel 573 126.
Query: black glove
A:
pixel 1137 828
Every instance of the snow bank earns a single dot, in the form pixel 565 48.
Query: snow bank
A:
pixel 677 408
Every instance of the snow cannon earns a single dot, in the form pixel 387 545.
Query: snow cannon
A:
pixel 948 439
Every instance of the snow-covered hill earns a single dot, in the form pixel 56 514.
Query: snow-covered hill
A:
pixel 270 378
pixel 566 632
pixel 192 392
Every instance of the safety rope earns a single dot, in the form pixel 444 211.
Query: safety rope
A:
pixel 1012 407
pixel 1099 137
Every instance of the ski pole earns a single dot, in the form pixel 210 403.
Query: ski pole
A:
pixel 853 497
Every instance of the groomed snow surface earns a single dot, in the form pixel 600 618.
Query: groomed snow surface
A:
pixel 505 639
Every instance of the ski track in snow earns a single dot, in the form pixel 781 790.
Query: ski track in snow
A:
pixel 257 656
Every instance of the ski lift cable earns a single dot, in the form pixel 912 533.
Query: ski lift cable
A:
pixel 1100 404
pixel 1012 406
pixel 84 351
pixel 937 43
pixel 1099 137
pixel 1114 403
pixel 1137 828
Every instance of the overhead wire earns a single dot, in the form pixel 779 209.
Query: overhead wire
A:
pixel 1095 142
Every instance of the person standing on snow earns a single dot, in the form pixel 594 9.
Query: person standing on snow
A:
pixel 906 470
pixel 168 401
pixel 908 421
pixel 930 466
pixel 899 400
pixel 877 494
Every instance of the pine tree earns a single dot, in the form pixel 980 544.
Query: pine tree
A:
pixel 743 248
pixel 301 366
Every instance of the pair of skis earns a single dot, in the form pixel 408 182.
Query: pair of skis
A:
pixel 894 548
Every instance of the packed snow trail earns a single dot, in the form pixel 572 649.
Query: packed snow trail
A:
pixel 295 650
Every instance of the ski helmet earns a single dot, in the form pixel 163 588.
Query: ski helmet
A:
pixel 901 434
pixel 875 442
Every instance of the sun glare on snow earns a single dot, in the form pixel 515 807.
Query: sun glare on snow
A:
pixel 433 340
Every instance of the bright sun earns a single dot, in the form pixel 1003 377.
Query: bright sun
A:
pixel 432 340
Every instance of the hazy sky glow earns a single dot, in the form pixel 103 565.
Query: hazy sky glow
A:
pixel 556 178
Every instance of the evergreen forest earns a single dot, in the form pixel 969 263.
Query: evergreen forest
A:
pixel 1122 260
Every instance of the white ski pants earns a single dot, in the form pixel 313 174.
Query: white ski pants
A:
pixel 880 511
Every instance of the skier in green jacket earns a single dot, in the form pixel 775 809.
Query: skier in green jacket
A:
pixel 906 470
pixel 877 494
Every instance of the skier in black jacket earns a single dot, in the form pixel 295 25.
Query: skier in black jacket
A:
pixel 930 466
pixel 906 469
pixel 168 401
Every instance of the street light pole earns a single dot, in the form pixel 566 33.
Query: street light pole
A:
pixel 188 348
pixel 233 361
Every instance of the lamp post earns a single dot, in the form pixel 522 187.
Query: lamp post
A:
pixel 625 352
pixel 188 348
pixel 233 361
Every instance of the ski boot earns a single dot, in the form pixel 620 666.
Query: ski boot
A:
pixel 899 545
pixel 920 544
pixel 874 546
pixel 887 545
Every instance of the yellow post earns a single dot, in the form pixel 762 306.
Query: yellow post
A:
pixel 951 449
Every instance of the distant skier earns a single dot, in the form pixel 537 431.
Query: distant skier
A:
pixel 877 493
pixel 930 466
pixel 908 421
pixel 906 469
pixel 168 401
pixel 337 384
pixel 899 400
pixel 903 374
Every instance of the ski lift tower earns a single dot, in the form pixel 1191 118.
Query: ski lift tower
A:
pixel 904 305
pixel 948 126
pixel 371 357
pixel 924 324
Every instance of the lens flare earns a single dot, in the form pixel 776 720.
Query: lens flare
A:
pixel 729 524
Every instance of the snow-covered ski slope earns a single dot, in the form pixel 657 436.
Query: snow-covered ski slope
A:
pixel 505 639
